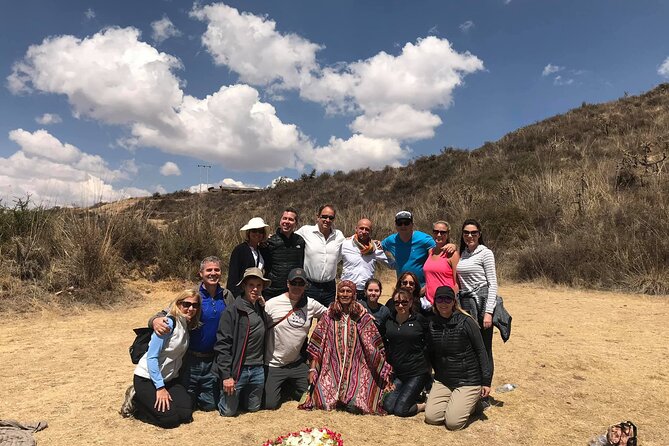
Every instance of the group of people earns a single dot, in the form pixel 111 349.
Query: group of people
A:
pixel 247 346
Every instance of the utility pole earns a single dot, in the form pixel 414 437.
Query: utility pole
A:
pixel 204 167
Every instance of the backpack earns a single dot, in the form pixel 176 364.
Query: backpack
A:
pixel 141 343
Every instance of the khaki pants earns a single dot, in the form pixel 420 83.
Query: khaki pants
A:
pixel 451 406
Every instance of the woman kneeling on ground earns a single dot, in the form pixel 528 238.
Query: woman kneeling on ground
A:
pixel 405 333
pixel 161 399
pixel 462 373
pixel 348 362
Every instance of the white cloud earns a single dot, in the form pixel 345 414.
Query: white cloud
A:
pixel 358 152
pixel 251 46
pixel 163 29
pixel 466 26
pixel 664 68
pixel 115 78
pixel 550 69
pixel 170 168
pixel 433 31
pixel 89 14
pixel 48 119
pixel 52 172
pixel 226 182
pixel 559 80
pixel 399 122
pixel 281 179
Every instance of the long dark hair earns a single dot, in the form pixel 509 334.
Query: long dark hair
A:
pixel 470 221
pixel 416 288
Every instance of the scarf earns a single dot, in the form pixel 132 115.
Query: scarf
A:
pixel 364 248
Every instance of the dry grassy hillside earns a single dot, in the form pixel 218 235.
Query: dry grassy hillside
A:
pixel 578 199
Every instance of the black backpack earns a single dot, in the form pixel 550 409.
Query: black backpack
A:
pixel 141 343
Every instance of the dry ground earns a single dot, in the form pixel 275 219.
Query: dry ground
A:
pixel 581 360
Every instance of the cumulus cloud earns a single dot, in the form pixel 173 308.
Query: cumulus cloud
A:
pixel 550 69
pixel 121 80
pixel 398 122
pixel 48 119
pixel 170 168
pixel 163 29
pixel 664 68
pixel 357 152
pixel 251 46
pixel 53 172
pixel 466 26
pixel 226 183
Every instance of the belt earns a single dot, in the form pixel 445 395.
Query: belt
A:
pixel 201 354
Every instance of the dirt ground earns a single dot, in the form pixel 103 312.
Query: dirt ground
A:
pixel 581 360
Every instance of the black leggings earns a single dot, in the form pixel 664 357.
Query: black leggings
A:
pixel 402 401
pixel 181 406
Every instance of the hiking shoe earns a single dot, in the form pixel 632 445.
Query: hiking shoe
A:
pixel 128 406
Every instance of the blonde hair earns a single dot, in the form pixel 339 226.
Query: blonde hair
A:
pixel 456 307
pixel 448 228
pixel 175 310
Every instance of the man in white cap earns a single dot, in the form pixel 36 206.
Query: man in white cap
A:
pixel 289 317
pixel 409 247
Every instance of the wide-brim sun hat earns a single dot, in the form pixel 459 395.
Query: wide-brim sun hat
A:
pixel 254 271
pixel 254 223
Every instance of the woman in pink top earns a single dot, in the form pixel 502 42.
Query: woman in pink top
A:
pixel 439 269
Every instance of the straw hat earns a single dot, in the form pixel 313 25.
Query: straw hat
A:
pixel 254 223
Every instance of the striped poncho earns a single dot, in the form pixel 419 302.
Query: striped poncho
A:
pixel 351 363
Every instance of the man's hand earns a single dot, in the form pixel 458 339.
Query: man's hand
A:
pixel 485 391
pixel 448 250
pixel 229 386
pixel 160 326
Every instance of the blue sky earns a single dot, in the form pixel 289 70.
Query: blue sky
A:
pixel 102 100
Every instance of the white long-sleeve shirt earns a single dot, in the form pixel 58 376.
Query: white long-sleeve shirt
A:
pixel 477 269
pixel 321 255
pixel 359 268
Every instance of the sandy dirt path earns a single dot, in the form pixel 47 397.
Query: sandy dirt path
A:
pixel 581 360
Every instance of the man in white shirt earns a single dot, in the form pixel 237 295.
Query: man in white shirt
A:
pixel 321 254
pixel 359 256
pixel 289 316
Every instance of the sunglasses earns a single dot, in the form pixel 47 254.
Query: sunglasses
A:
pixel 444 300
pixel 297 282
pixel 187 305
pixel 438 232
pixel 328 217
pixel 403 222
pixel 472 233
pixel 401 303
pixel 257 231
pixel 408 282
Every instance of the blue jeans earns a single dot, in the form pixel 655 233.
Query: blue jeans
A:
pixel 322 292
pixel 402 401
pixel 200 382
pixel 248 392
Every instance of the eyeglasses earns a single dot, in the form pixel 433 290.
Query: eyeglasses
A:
pixel 403 222
pixel 297 282
pixel 444 300
pixel 472 233
pixel 328 217
pixel 186 305
pixel 401 303
pixel 257 231
pixel 438 232
pixel 408 282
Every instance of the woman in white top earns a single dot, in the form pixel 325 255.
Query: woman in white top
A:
pixel 159 396
pixel 478 280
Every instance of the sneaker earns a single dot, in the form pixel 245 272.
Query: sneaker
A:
pixel 128 406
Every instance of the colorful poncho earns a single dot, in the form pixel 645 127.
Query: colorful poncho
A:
pixel 351 363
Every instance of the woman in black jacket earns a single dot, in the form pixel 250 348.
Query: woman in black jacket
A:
pixel 462 373
pixel 405 333
pixel 247 253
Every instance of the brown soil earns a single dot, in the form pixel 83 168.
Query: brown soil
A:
pixel 581 360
